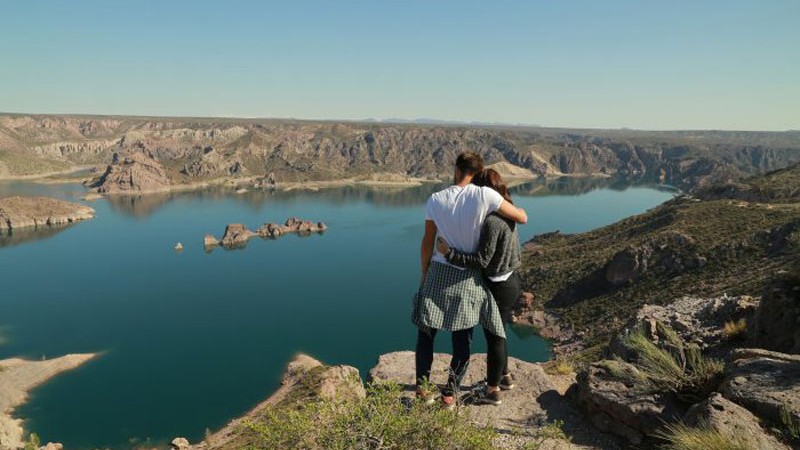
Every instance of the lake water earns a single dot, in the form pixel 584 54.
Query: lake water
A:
pixel 191 340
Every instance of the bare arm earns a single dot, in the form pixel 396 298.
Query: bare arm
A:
pixel 509 211
pixel 426 249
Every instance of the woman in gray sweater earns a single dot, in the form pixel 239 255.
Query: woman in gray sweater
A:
pixel 498 255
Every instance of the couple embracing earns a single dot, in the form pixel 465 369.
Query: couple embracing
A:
pixel 468 277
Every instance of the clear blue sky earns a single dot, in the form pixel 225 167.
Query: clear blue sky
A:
pixel 642 64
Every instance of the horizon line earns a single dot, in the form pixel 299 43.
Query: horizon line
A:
pixel 422 121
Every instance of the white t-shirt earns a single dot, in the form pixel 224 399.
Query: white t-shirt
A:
pixel 459 213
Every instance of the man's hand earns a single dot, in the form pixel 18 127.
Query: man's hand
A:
pixel 442 246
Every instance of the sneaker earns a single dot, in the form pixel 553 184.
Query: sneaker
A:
pixel 484 397
pixel 426 396
pixel 448 401
pixel 507 382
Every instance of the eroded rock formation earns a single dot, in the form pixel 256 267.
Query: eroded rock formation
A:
pixel 236 234
pixel 135 173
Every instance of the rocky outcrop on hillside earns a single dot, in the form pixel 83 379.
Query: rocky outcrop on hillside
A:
pixel 685 247
pixel 776 325
pixel 39 212
pixel 201 149
pixel 655 376
pixel 697 320
pixel 730 419
pixel 135 173
pixel 767 383
pixel 236 234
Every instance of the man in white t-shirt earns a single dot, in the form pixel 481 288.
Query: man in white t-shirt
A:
pixel 450 301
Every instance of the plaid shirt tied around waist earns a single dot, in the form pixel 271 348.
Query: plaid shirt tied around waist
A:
pixel 452 299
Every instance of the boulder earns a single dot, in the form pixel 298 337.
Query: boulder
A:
pixel 179 443
pixel 54 446
pixel 777 320
pixel 617 406
pixel 210 241
pixel 767 383
pixel 730 419
pixel 236 235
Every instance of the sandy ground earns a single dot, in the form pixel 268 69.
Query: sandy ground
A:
pixel 17 378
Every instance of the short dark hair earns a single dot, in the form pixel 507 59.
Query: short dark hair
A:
pixel 469 163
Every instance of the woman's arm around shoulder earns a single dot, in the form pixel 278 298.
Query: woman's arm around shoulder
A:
pixel 509 211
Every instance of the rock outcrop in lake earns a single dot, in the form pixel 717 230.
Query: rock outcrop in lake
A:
pixel 236 234
pixel 39 212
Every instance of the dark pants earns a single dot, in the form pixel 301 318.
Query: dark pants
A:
pixel 462 344
pixel 505 293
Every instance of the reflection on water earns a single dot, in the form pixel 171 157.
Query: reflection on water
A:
pixel 144 205
pixel 24 235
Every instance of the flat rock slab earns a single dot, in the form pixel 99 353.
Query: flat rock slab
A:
pixel 767 383
pixel 17 377
pixel 534 402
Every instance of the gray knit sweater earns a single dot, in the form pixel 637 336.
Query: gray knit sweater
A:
pixel 498 250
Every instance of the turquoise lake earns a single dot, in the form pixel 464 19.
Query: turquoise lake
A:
pixel 191 340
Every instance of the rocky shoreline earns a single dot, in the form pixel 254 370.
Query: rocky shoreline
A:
pixel 17 378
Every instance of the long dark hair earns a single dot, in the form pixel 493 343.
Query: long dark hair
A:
pixel 491 178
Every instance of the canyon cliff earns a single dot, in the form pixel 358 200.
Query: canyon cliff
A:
pixel 184 151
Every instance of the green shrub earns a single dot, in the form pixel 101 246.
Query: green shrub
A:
pixel 381 421
pixel 33 442
pixel 682 437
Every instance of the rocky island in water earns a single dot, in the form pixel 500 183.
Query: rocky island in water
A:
pixel 236 234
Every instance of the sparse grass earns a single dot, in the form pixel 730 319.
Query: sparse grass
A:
pixel 682 437
pixel 560 366
pixel 734 330
pixel 791 425
pixel 381 421
pixel 678 368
